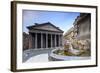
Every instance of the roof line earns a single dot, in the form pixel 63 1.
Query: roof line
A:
pixel 47 23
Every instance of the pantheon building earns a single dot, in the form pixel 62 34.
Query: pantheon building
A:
pixel 45 35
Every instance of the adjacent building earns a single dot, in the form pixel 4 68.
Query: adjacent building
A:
pixel 69 35
pixel 81 29
pixel 82 26
pixel 25 41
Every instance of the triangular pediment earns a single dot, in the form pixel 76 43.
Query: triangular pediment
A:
pixel 46 26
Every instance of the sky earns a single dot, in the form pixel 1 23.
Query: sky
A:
pixel 63 20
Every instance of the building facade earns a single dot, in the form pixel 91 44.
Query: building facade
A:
pixel 69 35
pixel 25 41
pixel 80 33
pixel 82 26
pixel 44 35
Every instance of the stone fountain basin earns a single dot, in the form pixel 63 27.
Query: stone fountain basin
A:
pixel 56 57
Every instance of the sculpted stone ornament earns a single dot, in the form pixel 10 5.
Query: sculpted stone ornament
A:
pixel 76 47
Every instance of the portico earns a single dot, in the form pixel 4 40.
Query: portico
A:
pixel 44 35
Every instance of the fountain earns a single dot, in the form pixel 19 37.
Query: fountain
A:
pixel 77 50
